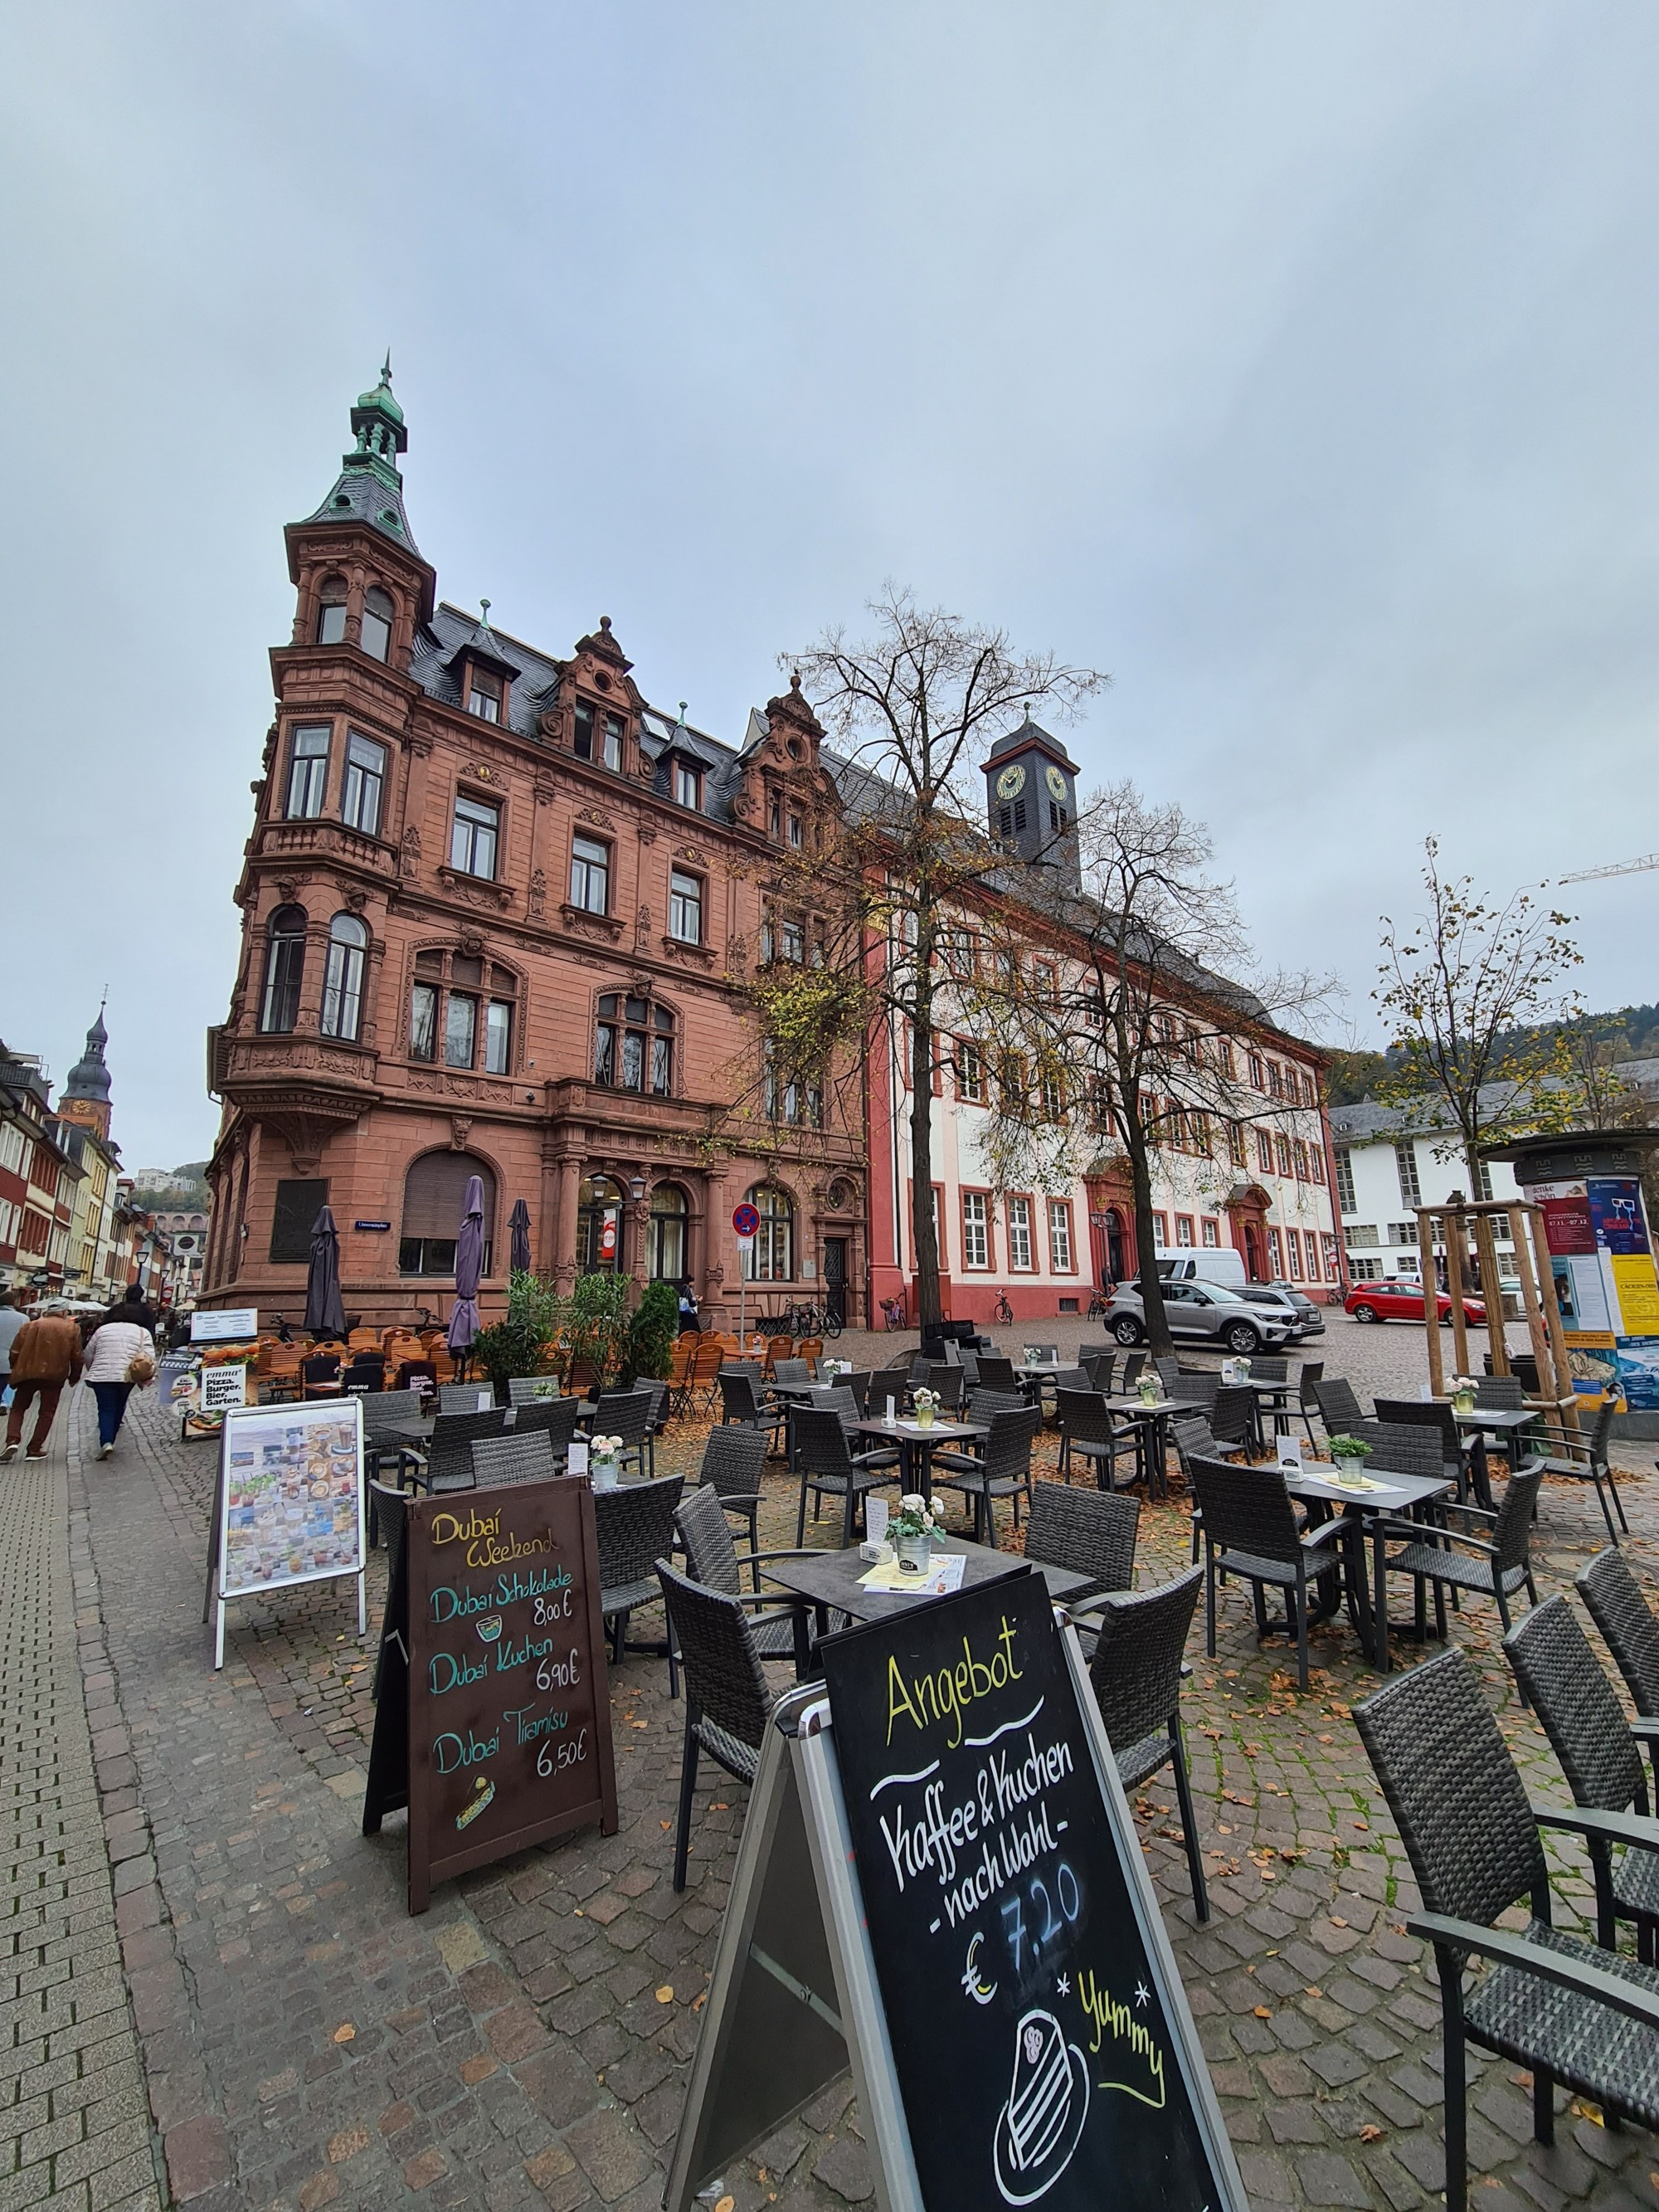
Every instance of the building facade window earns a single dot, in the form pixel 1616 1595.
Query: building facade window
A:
pixel 666 1240
pixel 285 963
pixel 975 1229
pixel 688 786
pixel 971 1073
pixel 1258 1073
pixel 589 876
pixel 498 1036
pixel 1347 1202
pixel 599 1226
pixel 1160 1232
pixel 1212 1235
pixel 685 907
pixel 771 1257
pixel 460 1029
pixel 1264 1150
pixel 1293 1251
pixel 1404 1161
pixel 484 695
pixel 435 1192
pixel 423 1022
pixel 473 835
pixel 1282 1145
pixel 467 1002
pixel 1060 1236
pixel 1184 1232
pixel 375 629
pixel 596 740
pixel 1275 1255
pixel 364 787
pixel 1019 1235
pixel 332 614
pixel 307 773
pixel 297 1203
pixel 343 978
pixel 634 1046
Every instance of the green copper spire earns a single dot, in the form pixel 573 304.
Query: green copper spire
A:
pixel 370 487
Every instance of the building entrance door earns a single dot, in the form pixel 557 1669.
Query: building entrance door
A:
pixel 835 1278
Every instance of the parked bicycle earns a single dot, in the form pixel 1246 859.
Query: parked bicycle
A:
pixel 892 1312
pixel 808 1319
pixel 1003 1310
pixel 1099 1306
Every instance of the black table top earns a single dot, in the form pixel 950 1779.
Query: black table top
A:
pixel 911 1431
pixel 1398 1492
pixel 832 1579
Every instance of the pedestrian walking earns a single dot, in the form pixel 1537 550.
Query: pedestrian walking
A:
pixel 46 1354
pixel 121 1358
pixel 11 1320
pixel 131 1306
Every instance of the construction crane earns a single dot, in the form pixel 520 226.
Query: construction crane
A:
pixel 1614 868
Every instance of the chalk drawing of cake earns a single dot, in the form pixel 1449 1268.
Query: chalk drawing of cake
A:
pixel 1038 2129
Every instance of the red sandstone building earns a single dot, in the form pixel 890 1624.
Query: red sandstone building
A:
pixel 497 914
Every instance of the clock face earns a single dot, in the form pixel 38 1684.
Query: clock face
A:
pixel 1055 781
pixel 1012 782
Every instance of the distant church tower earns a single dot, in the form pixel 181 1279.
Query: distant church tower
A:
pixel 85 1097
pixel 1031 799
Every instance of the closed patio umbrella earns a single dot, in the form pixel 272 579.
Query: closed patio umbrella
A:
pixel 324 1312
pixel 469 1267
pixel 518 1222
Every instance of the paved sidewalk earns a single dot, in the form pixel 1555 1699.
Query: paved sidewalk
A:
pixel 76 2123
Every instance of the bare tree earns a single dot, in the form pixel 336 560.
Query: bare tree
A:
pixel 1456 985
pixel 1142 1046
pixel 912 706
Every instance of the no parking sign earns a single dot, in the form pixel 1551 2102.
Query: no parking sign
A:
pixel 745 1220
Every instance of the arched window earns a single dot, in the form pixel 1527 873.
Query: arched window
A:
pixel 665 1255
pixel 332 614
pixel 434 1191
pixel 634 1046
pixel 599 1226
pixel 376 627
pixel 771 1257
pixel 285 964
pixel 343 979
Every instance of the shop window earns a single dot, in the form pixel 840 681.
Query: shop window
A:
pixel 665 1259
pixel 599 1226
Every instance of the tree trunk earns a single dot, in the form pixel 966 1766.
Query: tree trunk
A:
pixel 924 1234
pixel 1159 1338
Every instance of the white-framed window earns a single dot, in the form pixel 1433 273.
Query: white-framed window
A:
pixel 1365 1271
pixel 1019 1235
pixel 1402 1232
pixel 590 875
pixel 1345 1200
pixel 473 834
pixel 770 1258
pixel 975 1229
pixel 307 773
pixel 1404 1161
pixel 342 977
pixel 971 1073
pixel 364 786
pixel 1211 1234
pixel 1160 1232
pixel 1060 1236
pixel 685 907
pixel 1275 1254
pixel 687 784
pixel 1184 1232
pixel 1293 1248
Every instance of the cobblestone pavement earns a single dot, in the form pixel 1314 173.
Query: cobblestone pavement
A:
pixel 77 2127
pixel 527 2042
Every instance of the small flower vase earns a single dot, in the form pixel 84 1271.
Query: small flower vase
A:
pixel 603 1473
pixel 1148 1394
pixel 1464 1400
pixel 912 1553
pixel 924 1420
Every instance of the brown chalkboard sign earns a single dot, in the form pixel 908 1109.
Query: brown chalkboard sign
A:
pixel 509 1708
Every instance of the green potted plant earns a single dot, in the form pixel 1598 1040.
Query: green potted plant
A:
pixel 1351 1453
pixel 911 1530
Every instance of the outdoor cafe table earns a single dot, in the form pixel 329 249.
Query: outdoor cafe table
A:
pixel 1151 1433
pixel 1397 1496
pixel 829 1581
pixel 792 1394
pixel 916 1445
pixel 1481 1422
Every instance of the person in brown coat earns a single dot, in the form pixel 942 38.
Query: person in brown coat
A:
pixel 46 1354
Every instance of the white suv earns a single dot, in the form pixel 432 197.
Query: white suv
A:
pixel 1205 1312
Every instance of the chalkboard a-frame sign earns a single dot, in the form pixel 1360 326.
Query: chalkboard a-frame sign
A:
pixel 940 1884
pixel 494 1720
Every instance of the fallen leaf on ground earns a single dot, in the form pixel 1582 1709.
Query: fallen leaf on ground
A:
pixel 665 1994
pixel 1370 2133
pixel 1263 2012
pixel 345 2032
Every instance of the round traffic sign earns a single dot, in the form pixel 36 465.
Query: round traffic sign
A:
pixel 745 1220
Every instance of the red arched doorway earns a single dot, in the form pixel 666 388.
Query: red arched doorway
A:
pixel 1246 1212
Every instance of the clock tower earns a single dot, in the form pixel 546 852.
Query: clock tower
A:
pixel 1031 799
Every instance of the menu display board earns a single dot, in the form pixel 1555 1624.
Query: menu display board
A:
pixel 1603 1262
pixel 290 1507
pixel 1041 2042
pixel 508 1711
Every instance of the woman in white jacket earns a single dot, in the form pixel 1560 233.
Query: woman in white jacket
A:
pixel 111 1350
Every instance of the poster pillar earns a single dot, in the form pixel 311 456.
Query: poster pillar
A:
pixel 1598 1286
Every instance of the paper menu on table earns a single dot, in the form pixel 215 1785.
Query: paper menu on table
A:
pixel 943 1578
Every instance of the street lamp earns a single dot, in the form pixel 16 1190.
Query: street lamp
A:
pixel 636 1188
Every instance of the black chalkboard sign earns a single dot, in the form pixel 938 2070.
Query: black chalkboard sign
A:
pixel 1041 2054
pixel 509 1710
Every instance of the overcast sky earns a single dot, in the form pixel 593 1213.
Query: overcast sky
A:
pixel 1297 364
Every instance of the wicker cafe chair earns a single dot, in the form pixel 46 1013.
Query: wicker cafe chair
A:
pixel 384 1411
pixel 996 1373
pixel 728 1700
pixel 1249 1529
pixel 1307 1404
pixel 462 1397
pixel 1192 1389
pixel 1092 1532
pixel 1132 1368
pixel 522 1455
pixel 791 1370
pixel 389 1508
pixel 449 1455
pixel 829 1466
pixel 1494 1566
pixel 555 1418
pixel 716 1563
pixel 1168 1371
pixel 1565 1452
pixel 627 1414
pixel 1600 1754
pixel 741 1401
pixel 733 1461
pixel 946 1382
pixel 1397 1449
pixel 1099 1367
pixel 1339 1408
pixel 1628 1625
pixel 1502 1392
pixel 1088 1432
pixel 534 1390
pixel 1195 1438
pixel 1001 1469
pixel 1549 2002
pixel 634 1526
pixel 1135 1671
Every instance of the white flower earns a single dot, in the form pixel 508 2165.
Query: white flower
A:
pixel 912 1501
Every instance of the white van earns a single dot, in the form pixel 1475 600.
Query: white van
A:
pixel 1210 1264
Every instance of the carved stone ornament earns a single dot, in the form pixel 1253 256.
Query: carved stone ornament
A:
pixel 577 919
pixel 461 1127
pixel 481 772
pixel 641 927
pixel 356 901
pixel 647 835
pixel 538 893
pixel 601 821
pixel 691 852
pixel 640 983
pixel 550 722
pixel 470 945
pixel 288 887
pixel 420 748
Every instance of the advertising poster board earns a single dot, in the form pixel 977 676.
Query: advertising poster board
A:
pixel 231 1325
pixel 504 1735
pixel 290 1507
pixel 1602 1263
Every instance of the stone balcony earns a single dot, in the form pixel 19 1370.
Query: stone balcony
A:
pixel 321 839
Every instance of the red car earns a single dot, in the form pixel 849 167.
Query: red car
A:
pixel 1401 1299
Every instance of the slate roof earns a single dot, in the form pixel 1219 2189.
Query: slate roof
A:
pixel 1368 1121
pixel 360 496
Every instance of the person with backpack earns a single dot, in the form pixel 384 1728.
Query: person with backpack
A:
pixel 121 1358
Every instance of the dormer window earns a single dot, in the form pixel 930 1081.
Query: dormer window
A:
pixel 332 614
pixel 687 784
pixel 598 741
pixel 376 627
pixel 484 695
